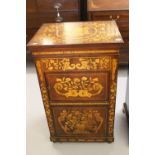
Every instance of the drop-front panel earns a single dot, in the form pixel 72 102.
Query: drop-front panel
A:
pixel 77 70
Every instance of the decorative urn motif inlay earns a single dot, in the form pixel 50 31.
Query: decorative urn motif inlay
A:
pixel 78 87
pixel 80 121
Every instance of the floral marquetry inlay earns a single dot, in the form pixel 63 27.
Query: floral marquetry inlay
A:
pixel 78 87
pixel 84 63
pixel 80 121
pixel 77 33
pixel 113 88
pixel 45 97
pixel 77 64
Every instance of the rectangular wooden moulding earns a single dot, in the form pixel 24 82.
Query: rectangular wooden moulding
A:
pixel 89 121
pixel 74 87
pixel 77 70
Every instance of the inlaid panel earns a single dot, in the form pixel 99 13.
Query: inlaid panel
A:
pixel 75 87
pixel 80 121
pixel 76 63
pixel 84 33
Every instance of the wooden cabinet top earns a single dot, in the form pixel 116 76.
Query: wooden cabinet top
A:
pixel 101 5
pixel 76 33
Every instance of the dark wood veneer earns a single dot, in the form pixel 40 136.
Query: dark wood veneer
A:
pixel 78 82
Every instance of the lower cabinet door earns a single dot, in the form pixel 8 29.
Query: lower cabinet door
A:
pixel 80 121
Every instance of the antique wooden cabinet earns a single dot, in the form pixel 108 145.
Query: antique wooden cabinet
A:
pixel 117 10
pixel 77 70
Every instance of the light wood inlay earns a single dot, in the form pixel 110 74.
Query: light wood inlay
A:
pixel 77 33
pixel 78 83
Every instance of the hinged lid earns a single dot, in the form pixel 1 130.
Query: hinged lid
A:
pixel 76 33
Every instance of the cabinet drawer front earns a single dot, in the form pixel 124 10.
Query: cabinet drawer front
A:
pixel 78 86
pixel 80 121
pixel 110 15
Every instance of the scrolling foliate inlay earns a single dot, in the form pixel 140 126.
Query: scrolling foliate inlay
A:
pixel 112 108
pixel 84 63
pixel 80 121
pixel 78 87
pixel 45 97
pixel 114 67
pixel 113 88
pixel 84 33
